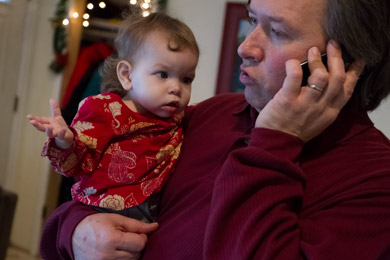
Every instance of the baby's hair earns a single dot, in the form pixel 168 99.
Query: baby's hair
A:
pixel 132 34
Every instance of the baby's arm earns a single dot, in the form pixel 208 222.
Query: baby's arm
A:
pixel 54 126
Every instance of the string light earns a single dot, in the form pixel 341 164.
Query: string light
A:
pixel 102 5
pixel 65 21
pixel 145 6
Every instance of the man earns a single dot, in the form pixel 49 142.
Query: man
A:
pixel 280 173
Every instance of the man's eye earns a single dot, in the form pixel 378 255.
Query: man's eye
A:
pixel 162 74
pixel 276 32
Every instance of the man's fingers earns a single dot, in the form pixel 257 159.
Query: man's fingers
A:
pixel 291 84
pixel 124 255
pixel 353 73
pixel 132 242
pixel 136 226
pixel 352 76
pixel 54 108
pixel 134 236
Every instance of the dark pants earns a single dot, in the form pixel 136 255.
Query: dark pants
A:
pixel 146 211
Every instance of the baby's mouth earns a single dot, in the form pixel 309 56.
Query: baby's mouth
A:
pixel 173 104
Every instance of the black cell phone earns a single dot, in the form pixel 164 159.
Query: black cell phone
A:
pixel 305 65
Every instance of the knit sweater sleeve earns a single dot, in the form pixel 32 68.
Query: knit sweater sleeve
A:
pixel 257 202
pixel 56 239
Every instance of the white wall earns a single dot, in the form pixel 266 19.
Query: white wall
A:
pixel 206 19
pixel 381 117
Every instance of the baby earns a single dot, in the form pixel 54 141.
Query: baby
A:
pixel 123 144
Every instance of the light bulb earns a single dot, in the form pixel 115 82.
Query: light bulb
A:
pixel 75 15
pixel 90 6
pixel 86 16
pixel 147 1
pixel 102 5
pixel 133 2
pixel 145 6
pixel 85 23
pixel 65 22
pixel 145 13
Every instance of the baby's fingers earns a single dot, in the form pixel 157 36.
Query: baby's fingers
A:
pixel 61 133
pixel 49 132
pixel 36 123
pixel 54 108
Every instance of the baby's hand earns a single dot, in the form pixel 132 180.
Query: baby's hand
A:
pixel 54 126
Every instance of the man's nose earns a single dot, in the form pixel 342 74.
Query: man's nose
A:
pixel 251 47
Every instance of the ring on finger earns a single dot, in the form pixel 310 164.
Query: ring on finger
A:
pixel 315 87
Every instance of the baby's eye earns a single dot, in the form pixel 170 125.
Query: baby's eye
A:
pixel 187 80
pixel 162 74
pixel 252 20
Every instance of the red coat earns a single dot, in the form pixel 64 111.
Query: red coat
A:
pixel 118 157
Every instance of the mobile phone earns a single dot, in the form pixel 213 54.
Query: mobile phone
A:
pixel 305 65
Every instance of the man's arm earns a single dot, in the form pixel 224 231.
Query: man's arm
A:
pixel 76 231
pixel 257 205
pixel 56 240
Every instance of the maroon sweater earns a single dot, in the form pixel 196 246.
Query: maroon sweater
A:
pixel 240 192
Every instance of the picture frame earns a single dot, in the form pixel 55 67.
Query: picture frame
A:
pixel 235 29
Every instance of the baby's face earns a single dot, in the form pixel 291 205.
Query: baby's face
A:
pixel 161 79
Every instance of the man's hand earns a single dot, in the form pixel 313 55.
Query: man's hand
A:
pixel 54 126
pixel 306 111
pixel 110 236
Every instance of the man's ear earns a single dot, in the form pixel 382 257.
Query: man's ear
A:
pixel 123 72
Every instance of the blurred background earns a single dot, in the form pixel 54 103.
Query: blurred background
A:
pixel 53 49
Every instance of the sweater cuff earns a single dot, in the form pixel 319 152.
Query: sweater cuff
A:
pixel 279 143
pixel 69 221
pixel 56 239
pixel 51 150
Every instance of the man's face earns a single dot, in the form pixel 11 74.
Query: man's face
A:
pixel 281 30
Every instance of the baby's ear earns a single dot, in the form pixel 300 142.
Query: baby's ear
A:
pixel 123 72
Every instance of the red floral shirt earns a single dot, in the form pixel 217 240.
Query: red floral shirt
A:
pixel 118 157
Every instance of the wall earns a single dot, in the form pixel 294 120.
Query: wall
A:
pixel 206 19
pixel 381 117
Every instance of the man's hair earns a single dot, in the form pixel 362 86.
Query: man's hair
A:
pixel 363 28
pixel 131 35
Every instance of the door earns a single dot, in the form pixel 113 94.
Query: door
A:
pixel 12 15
